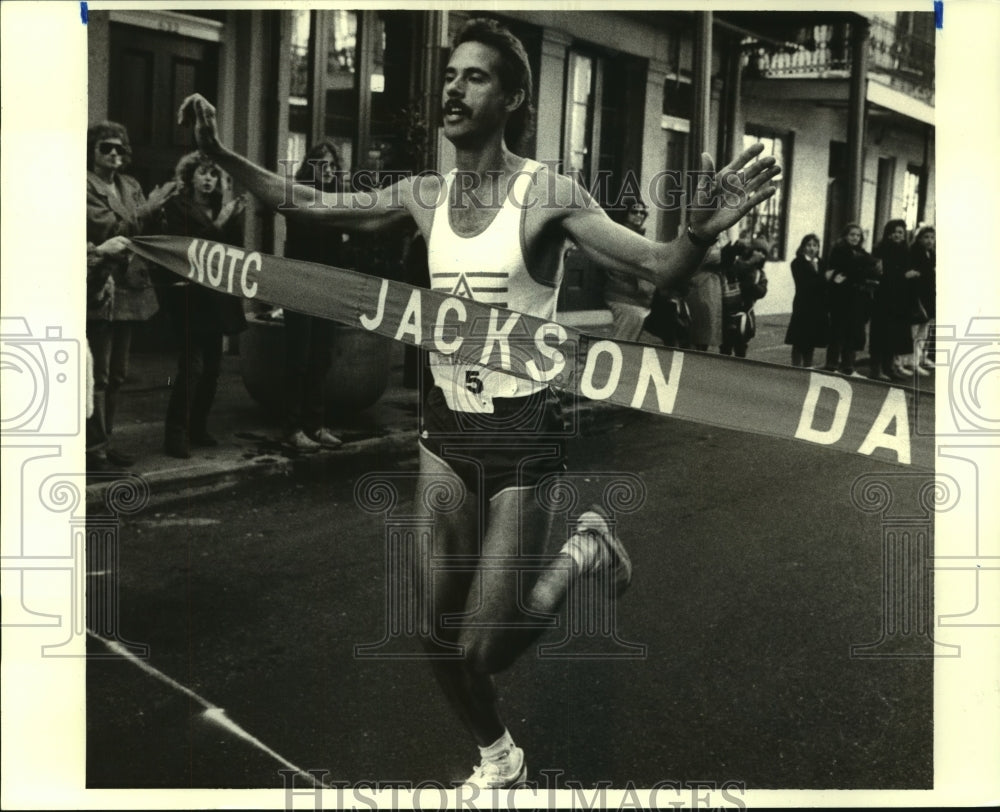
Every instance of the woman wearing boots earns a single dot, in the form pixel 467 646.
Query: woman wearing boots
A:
pixel 200 316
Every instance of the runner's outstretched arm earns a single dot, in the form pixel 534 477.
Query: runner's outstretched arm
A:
pixel 725 198
pixel 364 211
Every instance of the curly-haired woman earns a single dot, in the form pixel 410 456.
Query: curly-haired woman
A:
pixel 200 316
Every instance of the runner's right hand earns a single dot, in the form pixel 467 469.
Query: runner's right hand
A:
pixel 197 110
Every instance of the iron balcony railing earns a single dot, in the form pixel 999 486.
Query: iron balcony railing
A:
pixel 899 58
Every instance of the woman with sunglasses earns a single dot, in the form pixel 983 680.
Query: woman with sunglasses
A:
pixel 200 316
pixel 119 291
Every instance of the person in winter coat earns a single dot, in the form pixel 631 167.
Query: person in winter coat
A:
pixel 200 316
pixel 119 290
pixel 889 334
pixel 809 326
pixel 743 283
pixel 849 299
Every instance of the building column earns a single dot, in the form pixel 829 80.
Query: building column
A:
pixel 254 118
pixel 551 88
pixel 701 88
pixel 856 106
pixel 730 124
pixel 444 150
pixel 654 141
pixel 431 80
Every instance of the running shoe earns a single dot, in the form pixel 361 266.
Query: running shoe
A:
pixel 593 524
pixel 507 771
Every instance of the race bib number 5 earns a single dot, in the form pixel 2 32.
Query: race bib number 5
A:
pixel 470 388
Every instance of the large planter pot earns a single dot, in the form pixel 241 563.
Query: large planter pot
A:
pixel 358 375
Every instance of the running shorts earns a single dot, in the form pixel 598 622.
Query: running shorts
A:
pixel 523 440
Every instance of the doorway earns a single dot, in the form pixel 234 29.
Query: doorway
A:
pixel 151 72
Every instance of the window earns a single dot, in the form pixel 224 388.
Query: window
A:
pixel 912 190
pixel 298 92
pixel 602 125
pixel 770 219
pixel 353 78
pixel 582 94
pixel 322 99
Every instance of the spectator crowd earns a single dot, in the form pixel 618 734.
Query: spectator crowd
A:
pixel 844 302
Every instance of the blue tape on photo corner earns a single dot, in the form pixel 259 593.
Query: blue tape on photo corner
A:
pixel 83 12
pixel 939 14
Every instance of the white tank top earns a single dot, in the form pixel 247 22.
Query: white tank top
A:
pixel 488 267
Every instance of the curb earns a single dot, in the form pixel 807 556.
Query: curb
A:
pixel 203 478
pixel 198 478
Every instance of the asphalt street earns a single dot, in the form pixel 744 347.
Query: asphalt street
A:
pixel 754 575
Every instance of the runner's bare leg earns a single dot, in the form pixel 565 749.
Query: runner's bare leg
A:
pixel 517 525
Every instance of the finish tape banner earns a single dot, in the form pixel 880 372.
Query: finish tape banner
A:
pixel 855 415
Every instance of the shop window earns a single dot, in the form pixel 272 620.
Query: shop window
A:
pixel 352 79
pixel 322 101
pixel 770 219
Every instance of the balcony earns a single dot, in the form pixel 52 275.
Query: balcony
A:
pixel 900 56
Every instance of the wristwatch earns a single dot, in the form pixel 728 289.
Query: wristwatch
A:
pixel 699 242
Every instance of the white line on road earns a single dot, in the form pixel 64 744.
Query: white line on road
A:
pixel 212 712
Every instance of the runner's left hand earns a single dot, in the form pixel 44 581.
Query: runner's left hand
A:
pixel 725 197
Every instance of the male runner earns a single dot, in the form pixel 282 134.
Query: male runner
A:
pixel 500 243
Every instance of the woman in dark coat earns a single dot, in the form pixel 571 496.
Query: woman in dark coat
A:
pixel 809 326
pixel 903 299
pixel 923 260
pixel 895 297
pixel 200 316
pixel 849 299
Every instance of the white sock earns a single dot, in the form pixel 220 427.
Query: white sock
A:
pixel 574 552
pixel 499 748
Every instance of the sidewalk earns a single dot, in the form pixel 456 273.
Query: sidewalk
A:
pixel 249 437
